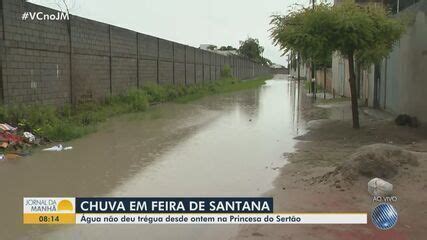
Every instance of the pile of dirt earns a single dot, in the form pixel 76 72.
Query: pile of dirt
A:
pixel 376 160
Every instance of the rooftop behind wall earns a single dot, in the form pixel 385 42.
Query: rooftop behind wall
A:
pixel 62 62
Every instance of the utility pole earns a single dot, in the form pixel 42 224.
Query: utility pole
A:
pixel 398 6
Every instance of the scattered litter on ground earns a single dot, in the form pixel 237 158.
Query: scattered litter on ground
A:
pixel 11 156
pixel 7 127
pixel 379 187
pixel 57 148
pixel 30 137
pixel 11 138
pixel 14 142
pixel 4 145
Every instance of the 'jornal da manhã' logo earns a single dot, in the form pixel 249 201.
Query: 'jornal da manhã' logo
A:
pixel 49 205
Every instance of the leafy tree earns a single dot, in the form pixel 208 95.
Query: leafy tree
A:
pixel 228 48
pixel 211 47
pixel 251 49
pixel 363 34
pixel 368 35
pixel 299 33
pixel 306 31
pixel 266 61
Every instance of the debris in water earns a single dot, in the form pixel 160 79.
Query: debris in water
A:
pixel 57 148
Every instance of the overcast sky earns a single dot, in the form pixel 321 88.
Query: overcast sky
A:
pixel 191 22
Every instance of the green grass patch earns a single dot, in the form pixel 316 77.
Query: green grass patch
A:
pixel 70 122
pixel 221 86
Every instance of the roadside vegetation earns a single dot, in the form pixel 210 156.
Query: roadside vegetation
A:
pixel 363 34
pixel 66 123
pixel 250 48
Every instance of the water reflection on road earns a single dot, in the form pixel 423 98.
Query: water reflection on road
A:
pixel 224 145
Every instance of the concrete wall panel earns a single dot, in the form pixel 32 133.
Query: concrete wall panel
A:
pixel 80 60
pixel 123 43
pixel 34 76
pixel 165 73
pixel 91 77
pixel 148 46
pixel 165 49
pixel 123 75
pixel 90 37
pixel 191 74
pixel 147 72
pixel 179 73
pixel 199 73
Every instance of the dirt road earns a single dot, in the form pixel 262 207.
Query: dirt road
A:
pixel 329 142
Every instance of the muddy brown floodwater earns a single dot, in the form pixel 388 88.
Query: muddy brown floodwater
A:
pixel 222 145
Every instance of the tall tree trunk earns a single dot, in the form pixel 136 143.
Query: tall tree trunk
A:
pixel 299 62
pixel 324 83
pixel 313 77
pixel 353 91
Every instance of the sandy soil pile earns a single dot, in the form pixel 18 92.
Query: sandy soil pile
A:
pixel 376 160
pixel 330 171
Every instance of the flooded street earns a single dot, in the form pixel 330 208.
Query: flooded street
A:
pixel 223 145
